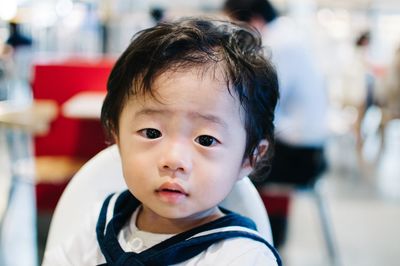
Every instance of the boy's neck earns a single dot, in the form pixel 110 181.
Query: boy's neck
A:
pixel 151 222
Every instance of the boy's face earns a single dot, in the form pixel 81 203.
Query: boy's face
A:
pixel 182 155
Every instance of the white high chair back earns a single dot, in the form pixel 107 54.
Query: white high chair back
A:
pixel 102 175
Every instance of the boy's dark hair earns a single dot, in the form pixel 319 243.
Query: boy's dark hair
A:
pixel 245 10
pixel 199 43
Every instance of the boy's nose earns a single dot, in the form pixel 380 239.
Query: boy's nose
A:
pixel 176 158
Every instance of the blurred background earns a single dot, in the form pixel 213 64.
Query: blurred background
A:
pixel 55 57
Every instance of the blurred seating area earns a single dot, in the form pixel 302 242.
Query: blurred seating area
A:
pixel 55 59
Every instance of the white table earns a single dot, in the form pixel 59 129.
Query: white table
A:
pixel 84 105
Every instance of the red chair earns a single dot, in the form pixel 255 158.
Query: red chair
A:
pixel 60 81
pixel 69 142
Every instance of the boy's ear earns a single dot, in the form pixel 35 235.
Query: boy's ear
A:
pixel 259 152
pixel 262 148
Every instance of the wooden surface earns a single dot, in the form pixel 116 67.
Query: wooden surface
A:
pixel 34 118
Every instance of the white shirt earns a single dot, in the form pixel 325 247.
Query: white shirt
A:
pixel 82 249
pixel 301 110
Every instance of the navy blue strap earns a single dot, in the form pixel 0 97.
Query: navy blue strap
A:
pixel 176 249
pixel 185 250
pixel 107 237
pixel 230 219
pixel 107 250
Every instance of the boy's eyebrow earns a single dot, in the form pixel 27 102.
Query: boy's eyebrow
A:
pixel 208 117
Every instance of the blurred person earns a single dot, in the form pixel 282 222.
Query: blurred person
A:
pixel 22 50
pixel 388 95
pixel 5 62
pixel 301 112
pixel 358 85
pixel 361 77
pixel 9 67
pixel 362 46
pixel 193 118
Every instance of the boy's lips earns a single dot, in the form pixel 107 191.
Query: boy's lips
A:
pixel 171 193
pixel 169 187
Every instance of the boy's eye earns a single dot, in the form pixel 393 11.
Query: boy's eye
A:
pixel 150 133
pixel 206 140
